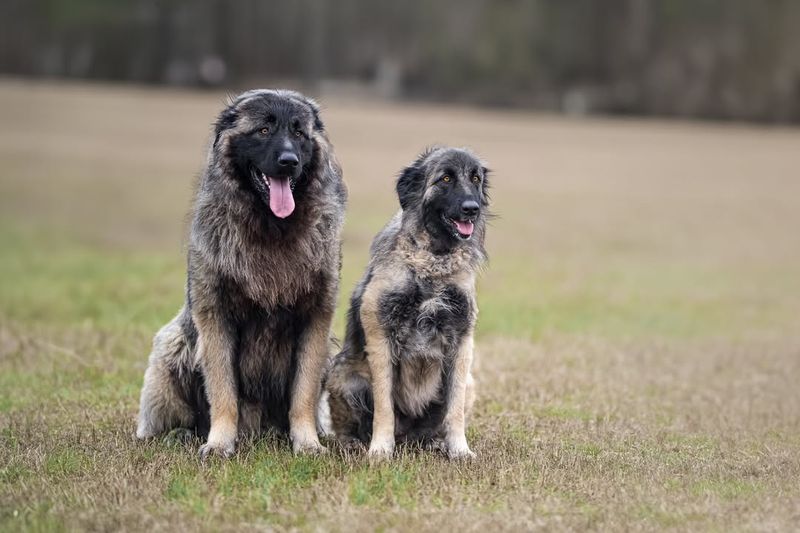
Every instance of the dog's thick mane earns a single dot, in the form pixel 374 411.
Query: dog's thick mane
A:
pixel 279 253
pixel 404 235
pixel 417 254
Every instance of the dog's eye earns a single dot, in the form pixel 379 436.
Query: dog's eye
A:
pixel 264 131
pixel 446 179
pixel 476 179
pixel 298 133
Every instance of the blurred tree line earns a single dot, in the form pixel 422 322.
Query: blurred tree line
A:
pixel 726 59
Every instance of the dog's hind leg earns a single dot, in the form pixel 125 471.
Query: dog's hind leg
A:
pixel 346 404
pixel 161 407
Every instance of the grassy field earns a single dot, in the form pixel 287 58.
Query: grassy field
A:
pixel 638 343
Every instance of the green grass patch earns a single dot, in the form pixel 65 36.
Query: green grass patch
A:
pixel 258 483
pixel 385 486
pixel 663 518
pixel 14 473
pixel 59 282
pixel 36 518
pixel 183 487
pixel 66 462
pixel 519 298
pixel 564 412
pixel 727 489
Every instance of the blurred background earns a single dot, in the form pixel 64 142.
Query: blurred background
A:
pixel 106 108
pixel 722 59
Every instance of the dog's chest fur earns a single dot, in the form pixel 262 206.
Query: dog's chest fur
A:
pixel 271 269
pixel 425 321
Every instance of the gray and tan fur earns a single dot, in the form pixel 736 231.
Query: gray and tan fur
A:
pixel 248 348
pixel 404 373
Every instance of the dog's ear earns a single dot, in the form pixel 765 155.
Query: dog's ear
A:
pixel 485 186
pixel 410 186
pixel 314 106
pixel 311 104
pixel 225 121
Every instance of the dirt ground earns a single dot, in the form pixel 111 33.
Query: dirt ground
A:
pixel 639 334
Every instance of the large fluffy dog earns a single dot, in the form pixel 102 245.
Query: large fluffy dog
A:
pixel 405 370
pixel 249 346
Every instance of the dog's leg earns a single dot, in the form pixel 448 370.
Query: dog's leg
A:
pixel 347 399
pixel 160 407
pixel 311 358
pixel 469 394
pixel 379 360
pixel 215 354
pixel 380 366
pixel 455 417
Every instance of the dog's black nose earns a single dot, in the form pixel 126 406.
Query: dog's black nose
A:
pixel 288 159
pixel 470 208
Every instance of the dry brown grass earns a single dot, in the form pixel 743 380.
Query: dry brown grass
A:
pixel 639 330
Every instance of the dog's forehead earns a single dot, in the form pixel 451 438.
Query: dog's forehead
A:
pixel 456 159
pixel 281 104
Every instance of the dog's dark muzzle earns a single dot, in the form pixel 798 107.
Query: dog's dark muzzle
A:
pixel 288 161
pixel 470 209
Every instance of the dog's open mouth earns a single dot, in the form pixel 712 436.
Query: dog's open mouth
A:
pixel 464 228
pixel 281 197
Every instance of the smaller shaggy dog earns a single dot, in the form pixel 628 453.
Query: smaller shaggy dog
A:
pixel 405 371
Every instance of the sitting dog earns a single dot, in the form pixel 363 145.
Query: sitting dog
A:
pixel 404 373
pixel 247 350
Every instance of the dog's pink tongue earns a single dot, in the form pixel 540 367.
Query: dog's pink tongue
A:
pixel 281 200
pixel 464 228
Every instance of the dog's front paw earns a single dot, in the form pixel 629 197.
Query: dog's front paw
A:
pixel 220 449
pixel 458 449
pixel 308 447
pixel 306 442
pixel 381 450
pixel 460 454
